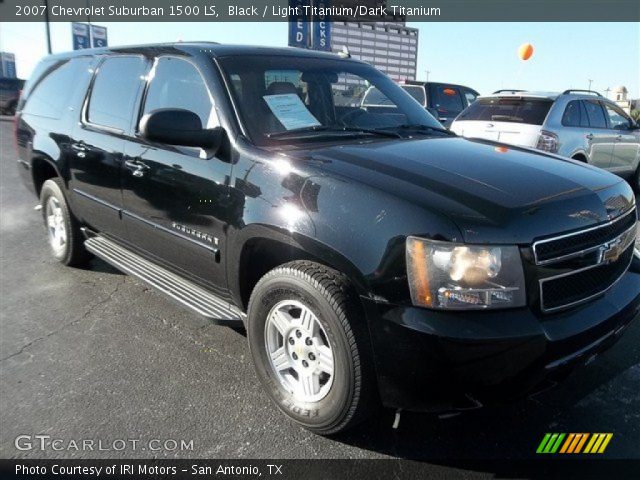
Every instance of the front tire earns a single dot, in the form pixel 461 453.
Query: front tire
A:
pixel 310 346
pixel 63 230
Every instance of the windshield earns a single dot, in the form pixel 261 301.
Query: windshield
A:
pixel 517 110
pixel 283 98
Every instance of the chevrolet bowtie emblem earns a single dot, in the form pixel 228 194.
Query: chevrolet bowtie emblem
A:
pixel 610 252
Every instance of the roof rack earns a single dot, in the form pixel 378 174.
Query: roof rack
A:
pixel 507 90
pixel 572 90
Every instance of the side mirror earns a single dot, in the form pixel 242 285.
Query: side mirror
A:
pixel 175 126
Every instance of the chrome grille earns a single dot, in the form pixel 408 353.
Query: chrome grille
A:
pixel 579 266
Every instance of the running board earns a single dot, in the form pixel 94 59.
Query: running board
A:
pixel 176 287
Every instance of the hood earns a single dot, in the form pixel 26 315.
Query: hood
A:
pixel 494 193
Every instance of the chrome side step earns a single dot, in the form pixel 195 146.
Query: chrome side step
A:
pixel 178 288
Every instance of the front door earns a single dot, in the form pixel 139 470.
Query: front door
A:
pixel 600 139
pixel 627 144
pixel 174 196
pixel 97 142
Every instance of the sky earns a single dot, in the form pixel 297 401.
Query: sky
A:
pixel 482 56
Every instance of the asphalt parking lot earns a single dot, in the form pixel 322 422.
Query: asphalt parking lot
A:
pixel 94 354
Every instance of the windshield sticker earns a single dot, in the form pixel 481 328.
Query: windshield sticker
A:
pixel 290 111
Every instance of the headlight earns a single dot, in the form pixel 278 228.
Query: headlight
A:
pixel 456 276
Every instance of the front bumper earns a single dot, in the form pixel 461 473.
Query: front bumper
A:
pixel 437 361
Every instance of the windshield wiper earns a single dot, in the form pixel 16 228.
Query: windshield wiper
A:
pixel 325 129
pixel 420 127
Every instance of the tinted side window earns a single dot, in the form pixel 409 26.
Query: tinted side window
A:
pixel 114 92
pixel 470 96
pixel 617 118
pixel 177 83
pixel 446 99
pixel 52 92
pixel 573 115
pixel 416 92
pixel 595 114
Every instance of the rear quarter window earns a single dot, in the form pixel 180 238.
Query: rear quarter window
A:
pixel 50 91
pixel 574 115
pixel 516 110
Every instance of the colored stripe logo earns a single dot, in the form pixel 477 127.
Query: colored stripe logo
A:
pixel 574 443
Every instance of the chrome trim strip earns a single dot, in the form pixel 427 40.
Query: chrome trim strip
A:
pixel 144 220
pixel 583 300
pixel 96 199
pixel 168 230
pixel 559 237
pixel 569 256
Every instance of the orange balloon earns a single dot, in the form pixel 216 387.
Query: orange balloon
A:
pixel 525 51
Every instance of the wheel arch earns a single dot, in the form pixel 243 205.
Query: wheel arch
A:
pixel 42 169
pixel 263 248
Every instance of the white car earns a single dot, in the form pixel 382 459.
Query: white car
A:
pixel 577 124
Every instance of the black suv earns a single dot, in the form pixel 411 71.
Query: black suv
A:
pixel 372 256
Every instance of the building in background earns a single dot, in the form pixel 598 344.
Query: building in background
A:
pixel 391 47
pixel 8 61
pixel 388 44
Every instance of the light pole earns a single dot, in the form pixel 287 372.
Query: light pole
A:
pixel 590 82
pixel 427 72
pixel 46 25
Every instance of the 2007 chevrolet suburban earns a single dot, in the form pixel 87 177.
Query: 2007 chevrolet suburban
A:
pixel 372 255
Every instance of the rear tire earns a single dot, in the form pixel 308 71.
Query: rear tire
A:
pixel 310 347
pixel 63 230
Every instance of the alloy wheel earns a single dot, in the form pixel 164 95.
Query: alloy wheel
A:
pixel 299 351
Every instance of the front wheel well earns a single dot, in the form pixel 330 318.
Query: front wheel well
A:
pixel 41 171
pixel 581 157
pixel 260 256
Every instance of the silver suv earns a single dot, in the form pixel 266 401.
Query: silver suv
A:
pixel 578 124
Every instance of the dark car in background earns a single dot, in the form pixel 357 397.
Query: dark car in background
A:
pixel 445 101
pixel 10 89
pixel 372 255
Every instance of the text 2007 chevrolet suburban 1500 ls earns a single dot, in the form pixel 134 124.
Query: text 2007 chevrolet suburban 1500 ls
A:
pixel 374 257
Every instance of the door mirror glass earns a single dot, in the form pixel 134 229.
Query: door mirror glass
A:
pixel 176 126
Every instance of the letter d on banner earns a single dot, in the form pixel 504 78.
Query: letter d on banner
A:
pixel 322 27
pixel 298 24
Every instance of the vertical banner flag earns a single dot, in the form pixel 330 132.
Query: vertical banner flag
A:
pixel 298 24
pixel 8 65
pixel 80 33
pixel 322 27
pixel 98 36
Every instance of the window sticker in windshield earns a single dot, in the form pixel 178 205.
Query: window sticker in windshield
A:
pixel 290 111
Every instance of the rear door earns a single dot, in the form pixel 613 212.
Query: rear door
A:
pixel 627 140
pixel 512 120
pixel 97 142
pixel 600 139
pixel 175 198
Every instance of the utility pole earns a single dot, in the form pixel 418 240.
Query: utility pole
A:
pixel 590 82
pixel 46 25
pixel 606 92
pixel 89 22
pixel 427 72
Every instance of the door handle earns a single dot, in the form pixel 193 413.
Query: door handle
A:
pixel 137 166
pixel 619 136
pixel 589 136
pixel 80 148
